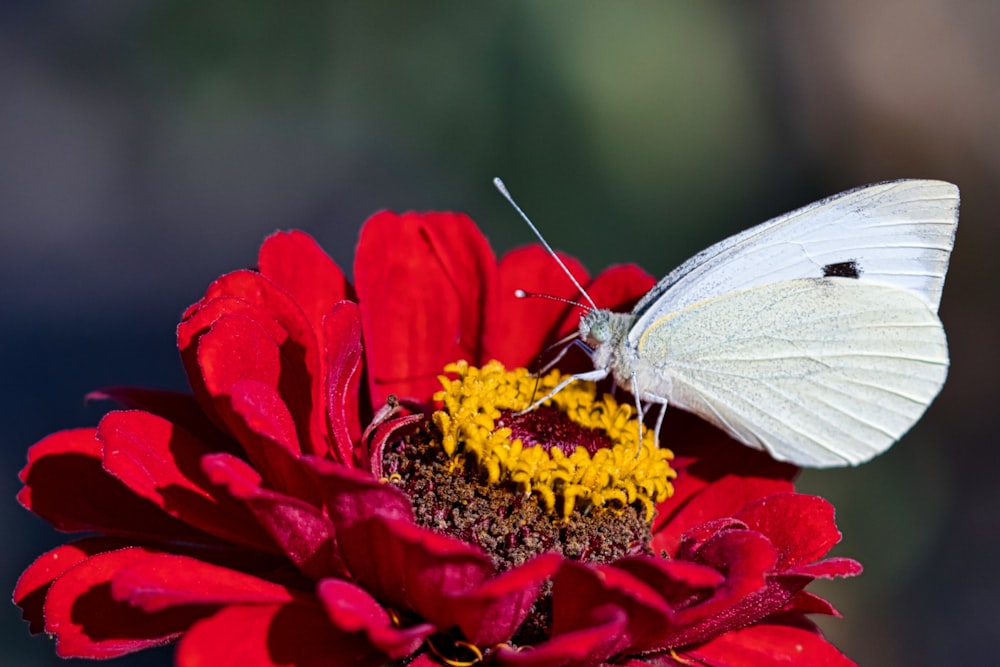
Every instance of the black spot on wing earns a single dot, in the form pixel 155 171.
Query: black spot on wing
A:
pixel 848 269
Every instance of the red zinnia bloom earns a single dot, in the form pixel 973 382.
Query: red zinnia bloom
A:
pixel 304 506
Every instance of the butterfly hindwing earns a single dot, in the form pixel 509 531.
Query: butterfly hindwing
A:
pixel 820 372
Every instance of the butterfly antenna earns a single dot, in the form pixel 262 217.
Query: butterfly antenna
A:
pixel 502 189
pixel 521 294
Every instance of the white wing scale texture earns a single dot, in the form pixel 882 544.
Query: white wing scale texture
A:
pixel 821 372
pixel 899 233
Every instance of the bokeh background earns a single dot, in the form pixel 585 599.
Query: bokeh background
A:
pixel 146 148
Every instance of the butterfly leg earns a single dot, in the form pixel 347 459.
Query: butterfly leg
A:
pixel 562 353
pixel 659 418
pixel 638 411
pixel 595 375
pixel 650 399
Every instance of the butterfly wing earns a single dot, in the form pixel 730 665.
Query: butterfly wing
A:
pixel 897 233
pixel 819 372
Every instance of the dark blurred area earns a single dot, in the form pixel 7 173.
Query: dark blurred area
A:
pixel 146 148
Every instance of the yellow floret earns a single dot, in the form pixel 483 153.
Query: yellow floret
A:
pixel 616 476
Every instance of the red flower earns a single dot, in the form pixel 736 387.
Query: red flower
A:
pixel 271 517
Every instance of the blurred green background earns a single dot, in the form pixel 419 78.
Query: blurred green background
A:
pixel 146 148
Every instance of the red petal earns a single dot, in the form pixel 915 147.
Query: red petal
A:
pixel 586 647
pixel 618 288
pixel 829 567
pixel 162 463
pixel 492 613
pixel 351 609
pixel 414 568
pixel 89 623
pixel 351 495
pixel 411 567
pixel 704 454
pixel 163 581
pixel 262 296
pixel 677 581
pixel 237 349
pixel 805 602
pixel 66 485
pixel 745 558
pixel 769 645
pixel 800 527
pixel 34 583
pixel 697 536
pixel 295 262
pixel 342 342
pixel 261 421
pixel 741 555
pixel 299 528
pixel 199 321
pixel 579 588
pixel 249 294
pixel 426 284
pixel 273 636
pixel 182 409
pixel 388 429
pixel 351 499
pixel 536 321
pixel 718 499
pixel 662 660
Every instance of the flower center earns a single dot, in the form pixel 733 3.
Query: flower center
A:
pixel 547 427
pixel 570 476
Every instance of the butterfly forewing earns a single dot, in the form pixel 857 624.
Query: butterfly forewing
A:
pixel 819 372
pixel 898 233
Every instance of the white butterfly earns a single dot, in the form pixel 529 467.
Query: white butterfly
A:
pixel 814 336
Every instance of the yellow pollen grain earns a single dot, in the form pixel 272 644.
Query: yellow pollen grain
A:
pixel 473 401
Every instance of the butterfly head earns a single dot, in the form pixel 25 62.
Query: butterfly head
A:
pixel 601 326
pixel 605 333
pixel 595 327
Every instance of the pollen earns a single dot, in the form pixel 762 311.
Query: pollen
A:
pixel 574 452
